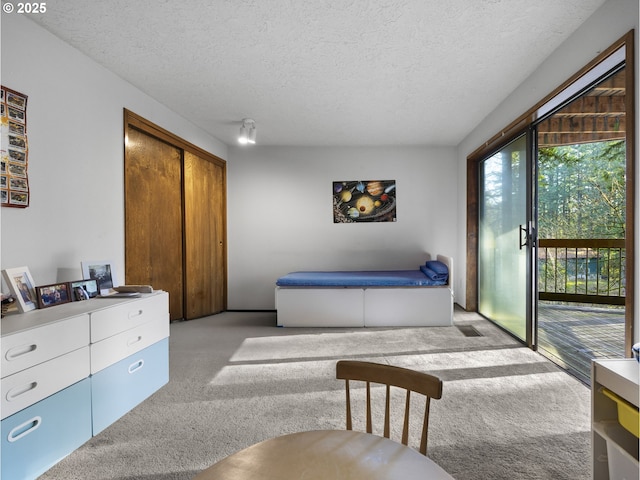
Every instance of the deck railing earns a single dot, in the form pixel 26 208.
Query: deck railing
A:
pixel 584 271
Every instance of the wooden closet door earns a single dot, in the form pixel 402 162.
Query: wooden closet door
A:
pixel 204 235
pixel 153 216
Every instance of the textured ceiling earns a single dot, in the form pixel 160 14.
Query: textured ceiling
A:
pixel 323 72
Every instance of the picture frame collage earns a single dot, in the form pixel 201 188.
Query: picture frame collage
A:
pixel 14 151
pixel 98 279
pixel 65 292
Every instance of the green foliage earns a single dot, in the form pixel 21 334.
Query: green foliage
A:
pixel 581 191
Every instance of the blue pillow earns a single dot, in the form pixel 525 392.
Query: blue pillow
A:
pixel 437 267
pixel 440 277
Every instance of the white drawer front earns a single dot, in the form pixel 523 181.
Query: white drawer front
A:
pixel 27 387
pixel 32 347
pixel 115 348
pixel 111 321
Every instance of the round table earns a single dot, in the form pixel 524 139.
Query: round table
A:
pixel 325 455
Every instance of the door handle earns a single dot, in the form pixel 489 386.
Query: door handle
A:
pixel 530 238
pixel 526 237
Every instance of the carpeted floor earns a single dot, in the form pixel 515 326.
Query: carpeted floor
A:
pixel 236 379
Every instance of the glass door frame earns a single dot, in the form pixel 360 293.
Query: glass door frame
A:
pixel 532 204
pixel 528 238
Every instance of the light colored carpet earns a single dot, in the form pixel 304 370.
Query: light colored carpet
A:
pixel 236 379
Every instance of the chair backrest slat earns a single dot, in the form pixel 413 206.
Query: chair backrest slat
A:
pixel 405 426
pixel 348 405
pixel 387 412
pixel 425 425
pixel 410 380
pixel 369 422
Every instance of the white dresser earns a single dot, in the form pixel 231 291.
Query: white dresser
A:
pixel 70 371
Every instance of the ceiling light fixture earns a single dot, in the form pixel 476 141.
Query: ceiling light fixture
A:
pixel 247 132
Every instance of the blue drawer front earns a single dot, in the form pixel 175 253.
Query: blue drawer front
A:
pixel 38 437
pixel 123 385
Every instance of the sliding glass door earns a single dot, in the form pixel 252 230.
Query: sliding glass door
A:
pixel 504 245
pixel 553 216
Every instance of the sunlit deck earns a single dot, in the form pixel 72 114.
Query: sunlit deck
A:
pixel 572 336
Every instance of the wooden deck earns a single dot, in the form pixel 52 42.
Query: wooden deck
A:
pixel 572 336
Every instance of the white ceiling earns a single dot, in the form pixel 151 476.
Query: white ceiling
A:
pixel 323 72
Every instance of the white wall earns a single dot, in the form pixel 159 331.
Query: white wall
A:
pixel 611 22
pixel 279 200
pixel 280 216
pixel 75 129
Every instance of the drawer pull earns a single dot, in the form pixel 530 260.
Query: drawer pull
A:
pixel 16 352
pixel 133 340
pixel 135 313
pixel 15 392
pixel 24 429
pixel 134 367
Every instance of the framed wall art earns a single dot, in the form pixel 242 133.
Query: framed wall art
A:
pixel 14 150
pixel 22 287
pixel 357 201
pixel 52 295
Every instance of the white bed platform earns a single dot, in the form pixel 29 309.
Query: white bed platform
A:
pixel 367 306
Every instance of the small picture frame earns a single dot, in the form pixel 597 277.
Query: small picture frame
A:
pixel 83 289
pixel 22 286
pixel 102 271
pixel 52 295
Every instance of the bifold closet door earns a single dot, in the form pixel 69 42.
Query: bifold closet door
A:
pixel 153 216
pixel 204 236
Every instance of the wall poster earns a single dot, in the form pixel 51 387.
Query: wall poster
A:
pixel 14 151
pixel 364 201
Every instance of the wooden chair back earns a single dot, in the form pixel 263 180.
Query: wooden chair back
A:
pixel 404 378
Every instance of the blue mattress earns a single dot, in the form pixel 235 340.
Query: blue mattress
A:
pixel 382 278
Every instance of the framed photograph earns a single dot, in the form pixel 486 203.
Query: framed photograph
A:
pixel 16 115
pixel 16 100
pixel 101 271
pixel 22 287
pixel 83 289
pixel 52 295
pixel 17 128
pixel 16 156
pixel 18 184
pixel 19 198
pixel 17 170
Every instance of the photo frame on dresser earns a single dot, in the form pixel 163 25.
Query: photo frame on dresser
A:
pixel 83 289
pixel 52 295
pixel 22 286
pixel 102 271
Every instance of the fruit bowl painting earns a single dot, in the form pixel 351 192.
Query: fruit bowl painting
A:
pixel 364 201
